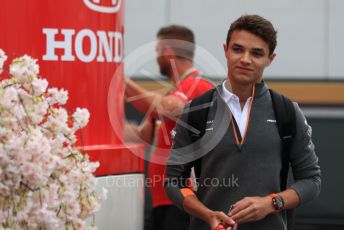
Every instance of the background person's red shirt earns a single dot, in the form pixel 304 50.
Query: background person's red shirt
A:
pixel 187 89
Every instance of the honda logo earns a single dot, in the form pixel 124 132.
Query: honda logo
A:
pixel 99 6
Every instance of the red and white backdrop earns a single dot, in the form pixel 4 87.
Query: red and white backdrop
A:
pixel 79 47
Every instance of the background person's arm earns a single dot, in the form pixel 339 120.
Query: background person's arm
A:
pixel 159 106
pixel 140 134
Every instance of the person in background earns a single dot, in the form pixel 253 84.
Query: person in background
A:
pixel 175 51
pixel 249 151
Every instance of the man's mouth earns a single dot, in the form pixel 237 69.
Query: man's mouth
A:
pixel 244 68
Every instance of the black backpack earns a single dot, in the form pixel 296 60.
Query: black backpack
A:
pixel 286 123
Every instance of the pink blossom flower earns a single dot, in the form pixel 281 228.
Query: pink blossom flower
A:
pixel 57 96
pixel 39 165
pixel 81 117
pixel 10 98
pixel 24 69
pixel 39 86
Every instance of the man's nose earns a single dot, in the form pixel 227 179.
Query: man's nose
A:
pixel 246 58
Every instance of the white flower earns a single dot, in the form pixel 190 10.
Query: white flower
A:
pixel 81 118
pixel 39 86
pixel 57 121
pixel 79 225
pixel 57 96
pixel 19 111
pixel 4 189
pixel 39 111
pixel 3 58
pixel 9 98
pixel 26 98
pixel 44 179
pixel 24 69
pixel 90 166
pixel 3 214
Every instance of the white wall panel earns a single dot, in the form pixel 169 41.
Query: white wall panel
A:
pixel 309 39
pixel 302 38
pixel 123 208
pixel 142 21
pixel 336 40
pixel 300 24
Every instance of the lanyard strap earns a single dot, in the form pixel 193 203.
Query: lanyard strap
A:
pixel 247 121
pixel 189 72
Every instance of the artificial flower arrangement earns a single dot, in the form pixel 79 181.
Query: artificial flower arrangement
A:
pixel 45 181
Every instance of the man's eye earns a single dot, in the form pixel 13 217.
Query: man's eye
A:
pixel 257 54
pixel 237 49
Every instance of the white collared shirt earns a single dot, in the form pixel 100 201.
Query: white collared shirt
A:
pixel 233 103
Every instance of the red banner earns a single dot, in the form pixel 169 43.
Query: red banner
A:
pixel 79 46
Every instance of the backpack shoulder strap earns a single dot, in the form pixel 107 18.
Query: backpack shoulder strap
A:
pixel 197 119
pixel 286 123
pixel 198 114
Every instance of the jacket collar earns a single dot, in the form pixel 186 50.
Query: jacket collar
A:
pixel 261 89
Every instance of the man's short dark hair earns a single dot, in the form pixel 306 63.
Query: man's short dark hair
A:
pixel 178 32
pixel 258 26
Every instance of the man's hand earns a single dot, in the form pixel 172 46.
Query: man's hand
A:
pixel 194 207
pixel 251 209
pixel 221 221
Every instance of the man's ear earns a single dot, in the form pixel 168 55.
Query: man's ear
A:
pixel 271 58
pixel 225 48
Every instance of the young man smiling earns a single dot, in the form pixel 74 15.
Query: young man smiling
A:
pixel 250 147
